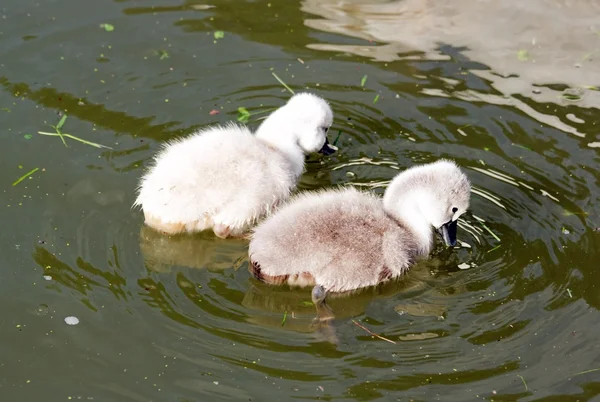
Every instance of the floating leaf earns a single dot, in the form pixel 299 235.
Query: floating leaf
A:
pixel 28 136
pixel 243 115
pixel 376 99
pixel 219 34
pixel 363 81
pixel 107 27
pixel 338 137
pixel 523 55
pixel 61 122
pixel 162 54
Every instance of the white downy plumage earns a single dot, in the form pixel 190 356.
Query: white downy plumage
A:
pixel 225 178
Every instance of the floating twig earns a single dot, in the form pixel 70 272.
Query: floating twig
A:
pixel 481 222
pixel 26 175
pixel 282 83
pixel 490 231
pixel 495 248
pixel 524 383
pixel 373 333
pixel 586 371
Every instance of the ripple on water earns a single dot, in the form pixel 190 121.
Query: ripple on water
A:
pixel 517 298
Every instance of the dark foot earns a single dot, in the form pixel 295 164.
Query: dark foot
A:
pixel 323 322
pixel 324 312
pixel 318 295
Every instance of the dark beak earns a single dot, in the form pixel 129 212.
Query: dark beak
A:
pixel 327 148
pixel 448 233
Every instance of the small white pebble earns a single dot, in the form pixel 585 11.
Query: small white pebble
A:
pixel 71 320
pixel 47 277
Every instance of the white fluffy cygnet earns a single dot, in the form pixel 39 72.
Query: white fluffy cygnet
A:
pixel 342 240
pixel 225 178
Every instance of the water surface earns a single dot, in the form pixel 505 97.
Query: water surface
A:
pixel 179 319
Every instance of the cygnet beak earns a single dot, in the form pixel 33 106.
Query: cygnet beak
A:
pixel 327 148
pixel 448 232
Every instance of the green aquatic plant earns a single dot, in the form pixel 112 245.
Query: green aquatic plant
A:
pixel 59 133
pixel 283 83
pixel 26 175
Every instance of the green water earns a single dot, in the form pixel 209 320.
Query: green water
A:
pixel 180 319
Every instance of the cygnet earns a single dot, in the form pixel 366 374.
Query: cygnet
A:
pixel 225 178
pixel 346 239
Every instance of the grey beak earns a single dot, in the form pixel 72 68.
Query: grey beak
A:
pixel 327 148
pixel 448 232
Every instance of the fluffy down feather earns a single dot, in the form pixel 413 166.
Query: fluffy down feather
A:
pixel 225 178
pixel 343 240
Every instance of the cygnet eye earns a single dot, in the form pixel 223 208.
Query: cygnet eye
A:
pixel 325 129
pixel 454 209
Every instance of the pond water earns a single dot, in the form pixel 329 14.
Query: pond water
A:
pixel 510 315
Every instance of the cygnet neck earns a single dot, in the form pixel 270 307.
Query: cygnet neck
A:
pixel 406 208
pixel 283 138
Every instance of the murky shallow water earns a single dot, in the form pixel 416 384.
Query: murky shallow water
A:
pixel 180 319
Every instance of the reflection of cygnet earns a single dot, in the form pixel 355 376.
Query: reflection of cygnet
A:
pixel 343 240
pixel 162 252
pixel 226 179
pixel 277 300
pixel 422 298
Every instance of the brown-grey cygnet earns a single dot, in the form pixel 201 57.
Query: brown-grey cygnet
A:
pixel 342 240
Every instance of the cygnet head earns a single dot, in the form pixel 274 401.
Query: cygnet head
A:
pixel 436 194
pixel 304 120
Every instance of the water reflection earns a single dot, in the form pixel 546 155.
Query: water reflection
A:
pixel 204 250
pixel 522 123
pixel 527 47
pixel 84 278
